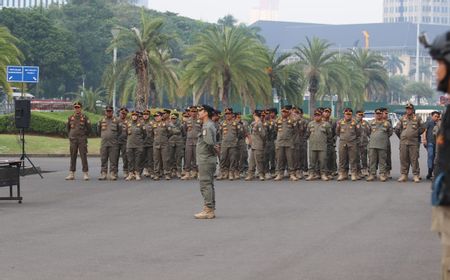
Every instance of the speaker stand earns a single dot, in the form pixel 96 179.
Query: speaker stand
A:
pixel 24 155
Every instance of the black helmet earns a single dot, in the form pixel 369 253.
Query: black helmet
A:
pixel 440 48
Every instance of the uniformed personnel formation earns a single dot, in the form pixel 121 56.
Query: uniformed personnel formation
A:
pixel 271 147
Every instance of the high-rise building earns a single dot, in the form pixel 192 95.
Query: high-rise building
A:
pixel 417 11
pixel 29 3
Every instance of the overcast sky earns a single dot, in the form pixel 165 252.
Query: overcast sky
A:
pixel 317 11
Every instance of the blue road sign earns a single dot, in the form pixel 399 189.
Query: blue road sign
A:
pixel 30 74
pixel 14 74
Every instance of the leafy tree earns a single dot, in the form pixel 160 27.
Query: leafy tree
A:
pixel 419 90
pixel 396 88
pixel 9 55
pixel 393 64
pixel 424 72
pixel 228 63
pixel 228 21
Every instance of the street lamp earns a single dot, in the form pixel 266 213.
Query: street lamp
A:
pixel 115 32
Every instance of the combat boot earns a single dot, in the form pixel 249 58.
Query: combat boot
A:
pixel 249 177
pixel 268 176
pixel 416 179
pixel 383 178
pixel 85 176
pixel 388 174
pixel 125 174
pixel 71 176
pixel 137 176
pixel 113 176
pixel 261 177
pixel 292 177
pixel 279 177
pixel 342 177
pixel 237 175
pixel 299 174
pixel 324 177
pixel 156 178
pixel 102 176
pixel 167 177
pixel 194 174
pixel 145 173
pixel 206 213
pixel 187 176
pixel 178 174
pixel 311 176
pixel 403 178
pixel 354 177
pixel 370 178
pixel 231 175
pixel 130 176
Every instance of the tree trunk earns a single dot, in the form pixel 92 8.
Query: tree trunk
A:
pixel 226 89
pixel 142 88
pixel 313 88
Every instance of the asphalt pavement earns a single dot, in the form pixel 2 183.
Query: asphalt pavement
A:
pixel 263 230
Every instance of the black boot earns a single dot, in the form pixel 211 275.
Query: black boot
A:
pixel 430 173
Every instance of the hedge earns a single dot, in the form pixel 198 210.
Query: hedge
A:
pixel 45 123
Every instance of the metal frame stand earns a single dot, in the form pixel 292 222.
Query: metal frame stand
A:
pixel 24 155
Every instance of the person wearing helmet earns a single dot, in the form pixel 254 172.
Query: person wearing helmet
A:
pixel 440 51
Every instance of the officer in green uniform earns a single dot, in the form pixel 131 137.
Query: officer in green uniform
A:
pixel 348 131
pixel 331 152
pixel 162 130
pixel 123 121
pixel 380 131
pixel 135 148
pixel 78 129
pixel 176 144
pixel 363 142
pixel 230 131
pixel 206 160
pixel 269 123
pixel 409 129
pixel 303 144
pixel 257 141
pixel 109 130
pixel 147 158
pixel 242 147
pixel 389 149
pixel 320 135
pixel 286 126
pixel 192 128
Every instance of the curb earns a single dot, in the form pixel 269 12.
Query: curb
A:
pixel 47 155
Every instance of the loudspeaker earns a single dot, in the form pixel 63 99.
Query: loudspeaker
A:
pixel 23 113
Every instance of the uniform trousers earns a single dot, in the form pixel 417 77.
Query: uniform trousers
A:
pixel 377 160
pixel 123 154
pixel 256 162
pixel 229 159
pixel 135 159
pixel 190 161
pixel 78 145
pixel 284 154
pixel 348 155
pixel 318 161
pixel 161 158
pixel 111 153
pixel 176 153
pixel 206 178
pixel 147 159
pixel 409 156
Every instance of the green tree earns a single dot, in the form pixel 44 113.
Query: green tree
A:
pixel 393 64
pixel 371 66
pixel 227 62
pixel 419 90
pixel 228 21
pixel 396 88
pixel 9 55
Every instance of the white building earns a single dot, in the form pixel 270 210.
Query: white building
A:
pixel 417 11
pixel 29 3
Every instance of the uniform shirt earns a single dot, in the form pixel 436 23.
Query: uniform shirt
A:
pixel 162 131
pixel 271 132
pixel 205 151
pixel 365 132
pixel 302 126
pixel 78 126
pixel 109 130
pixel 136 134
pixel 409 129
pixel 348 131
pixel 123 131
pixel 258 134
pixel 177 136
pixel 380 131
pixel 148 127
pixel 192 127
pixel 319 134
pixel 230 132
pixel 285 128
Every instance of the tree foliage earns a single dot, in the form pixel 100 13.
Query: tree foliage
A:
pixel 9 55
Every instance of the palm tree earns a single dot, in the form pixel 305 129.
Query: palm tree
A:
pixel 393 64
pixel 316 60
pixel 424 72
pixel 228 20
pixel 9 55
pixel 396 88
pixel 150 61
pixel 227 62
pixel 286 79
pixel 419 90
pixel 371 66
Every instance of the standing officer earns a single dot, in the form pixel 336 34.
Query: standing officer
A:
pixel 284 145
pixel 429 141
pixel 123 121
pixel 242 146
pixel 331 152
pixel 162 130
pixel 78 129
pixel 319 134
pixel 389 149
pixel 206 159
pixel 192 126
pixel 135 146
pixel 269 123
pixel 363 142
pixel 109 130
pixel 230 131
pixel 349 132
pixel 302 127
pixel 380 131
pixel 257 141
pixel 147 157
pixel 176 144
pixel 409 129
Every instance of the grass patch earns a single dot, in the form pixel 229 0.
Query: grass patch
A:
pixel 10 144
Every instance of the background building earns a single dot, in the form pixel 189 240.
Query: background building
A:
pixel 267 10
pixel 417 11
pixel 29 3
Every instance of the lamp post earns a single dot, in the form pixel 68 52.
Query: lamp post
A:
pixel 115 32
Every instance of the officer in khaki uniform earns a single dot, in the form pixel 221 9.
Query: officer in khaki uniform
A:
pixel 284 145
pixel 230 131
pixel 242 146
pixel 135 148
pixel 269 123
pixel 109 130
pixel 257 141
pixel 303 144
pixel 176 144
pixel 147 157
pixel 380 131
pixel 78 129
pixel 409 129
pixel 123 121
pixel 296 140
pixel 320 135
pixel 207 150
pixel 331 153
pixel 348 132
pixel 389 149
pixel 192 128
pixel 363 142
pixel 162 130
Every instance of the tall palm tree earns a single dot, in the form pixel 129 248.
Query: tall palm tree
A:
pixel 9 55
pixel 227 62
pixel 419 90
pixel 371 66
pixel 286 79
pixel 393 64
pixel 316 60
pixel 396 88
pixel 150 61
